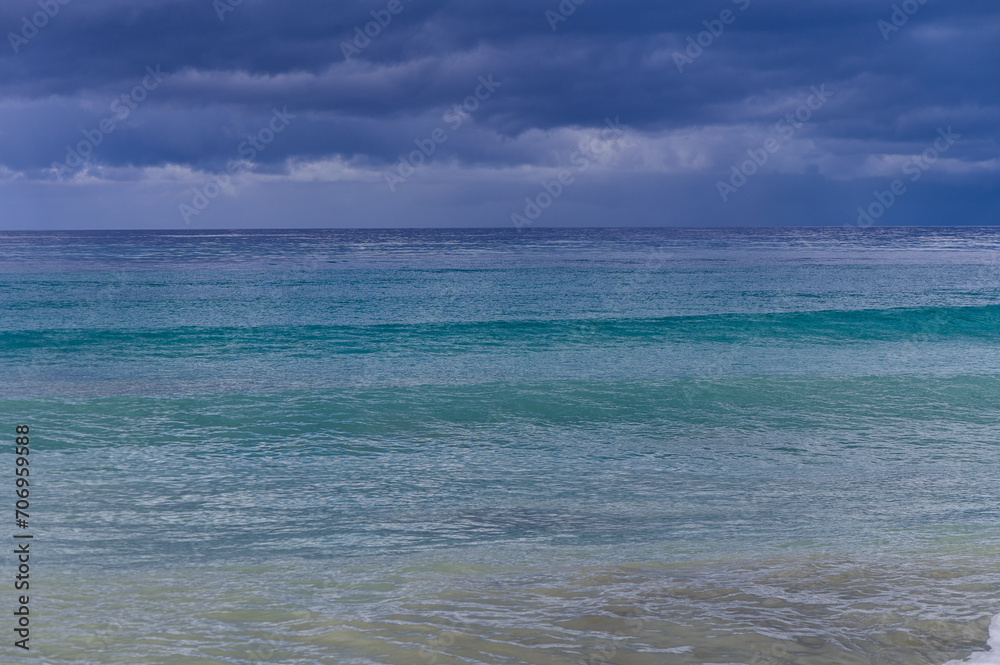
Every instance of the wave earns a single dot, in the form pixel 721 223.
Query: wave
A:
pixel 791 415
pixel 817 327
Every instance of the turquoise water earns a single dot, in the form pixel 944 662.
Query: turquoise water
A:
pixel 588 446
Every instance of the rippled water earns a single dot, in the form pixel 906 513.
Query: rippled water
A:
pixel 632 446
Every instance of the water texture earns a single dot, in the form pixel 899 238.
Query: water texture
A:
pixel 581 446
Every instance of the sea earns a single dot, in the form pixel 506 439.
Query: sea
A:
pixel 538 447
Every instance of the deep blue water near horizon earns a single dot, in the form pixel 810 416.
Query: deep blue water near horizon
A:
pixel 621 446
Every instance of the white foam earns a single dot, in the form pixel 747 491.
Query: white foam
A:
pixel 991 657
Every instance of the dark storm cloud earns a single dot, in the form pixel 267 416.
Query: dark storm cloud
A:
pixel 230 67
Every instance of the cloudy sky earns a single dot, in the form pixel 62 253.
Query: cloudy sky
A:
pixel 385 113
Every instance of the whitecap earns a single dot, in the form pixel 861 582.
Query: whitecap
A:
pixel 991 657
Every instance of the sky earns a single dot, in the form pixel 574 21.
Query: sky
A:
pixel 174 114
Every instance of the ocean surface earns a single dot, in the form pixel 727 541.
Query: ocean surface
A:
pixel 631 447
